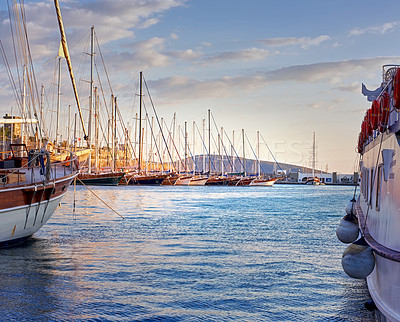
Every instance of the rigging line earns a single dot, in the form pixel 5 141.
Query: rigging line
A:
pixel 204 144
pixel 13 39
pixel 10 76
pixel 173 144
pixel 104 65
pixel 271 152
pixel 248 141
pixel 190 152
pixel 155 113
pixel 222 143
pixel 101 199
pixel 238 158
pixel 152 134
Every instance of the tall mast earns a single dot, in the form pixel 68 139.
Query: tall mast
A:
pixel 193 149
pixel 313 156
pixel 112 131
pixel 203 150
pixel 244 156
pixel 96 130
pixel 186 152
pixel 115 135
pixel 91 97
pixel 222 155
pixel 140 122
pixel 258 155
pixel 209 143
pixel 69 64
pixel 233 151
pixel 58 100
pixel 41 107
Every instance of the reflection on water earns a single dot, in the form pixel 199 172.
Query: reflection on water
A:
pixel 187 253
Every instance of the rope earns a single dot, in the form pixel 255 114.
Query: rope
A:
pixel 101 199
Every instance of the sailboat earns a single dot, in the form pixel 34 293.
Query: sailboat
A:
pixel 142 177
pixel 259 181
pixel 32 186
pixel 313 180
pixel 89 175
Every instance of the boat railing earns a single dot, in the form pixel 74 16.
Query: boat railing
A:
pixel 388 72
pixel 38 169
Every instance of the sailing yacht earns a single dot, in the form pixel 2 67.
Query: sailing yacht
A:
pixel 31 184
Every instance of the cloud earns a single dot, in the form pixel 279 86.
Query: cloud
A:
pixel 303 42
pixel 188 54
pixel 385 28
pixel 353 87
pixel 179 88
pixel 245 55
pixel 113 20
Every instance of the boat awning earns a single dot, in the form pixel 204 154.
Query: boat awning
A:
pixel 18 121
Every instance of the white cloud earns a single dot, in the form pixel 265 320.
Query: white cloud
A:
pixel 303 42
pixel 385 28
pixel 245 54
pixel 179 88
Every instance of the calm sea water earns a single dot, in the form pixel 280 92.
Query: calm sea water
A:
pixel 186 254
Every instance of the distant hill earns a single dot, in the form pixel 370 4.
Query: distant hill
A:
pixel 267 167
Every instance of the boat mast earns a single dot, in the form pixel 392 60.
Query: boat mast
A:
pixel 244 156
pixel 69 64
pixel 193 150
pixel 313 156
pixel 233 151
pixel 203 150
pixel 222 155
pixel 209 142
pixel 186 152
pixel 258 155
pixel 58 100
pixel 91 98
pixel 140 122
pixel 115 135
pixel 96 130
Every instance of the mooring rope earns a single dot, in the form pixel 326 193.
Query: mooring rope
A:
pixel 101 199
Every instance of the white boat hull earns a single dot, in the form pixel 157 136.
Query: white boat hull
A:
pixel 198 181
pixel 379 218
pixel 21 222
pixel 265 183
pixel 183 181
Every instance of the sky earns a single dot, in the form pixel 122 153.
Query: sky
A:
pixel 284 68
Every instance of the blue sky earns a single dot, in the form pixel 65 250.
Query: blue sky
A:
pixel 285 68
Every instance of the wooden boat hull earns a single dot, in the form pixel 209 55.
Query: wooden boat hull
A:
pixel 244 181
pixel 183 181
pixel 218 181
pixel 152 180
pixel 100 179
pixel 26 206
pixel 262 182
pixel 198 181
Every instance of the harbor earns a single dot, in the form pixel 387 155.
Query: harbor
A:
pixel 186 253
pixel 160 161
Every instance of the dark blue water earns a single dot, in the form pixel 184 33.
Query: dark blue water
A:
pixel 186 254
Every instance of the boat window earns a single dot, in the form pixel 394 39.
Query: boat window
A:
pixel 371 186
pixel 378 188
pixel 366 180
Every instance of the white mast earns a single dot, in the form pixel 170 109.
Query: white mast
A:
pixel 58 101
pixel 203 150
pixel 222 155
pixel 258 155
pixel 193 150
pixel 313 156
